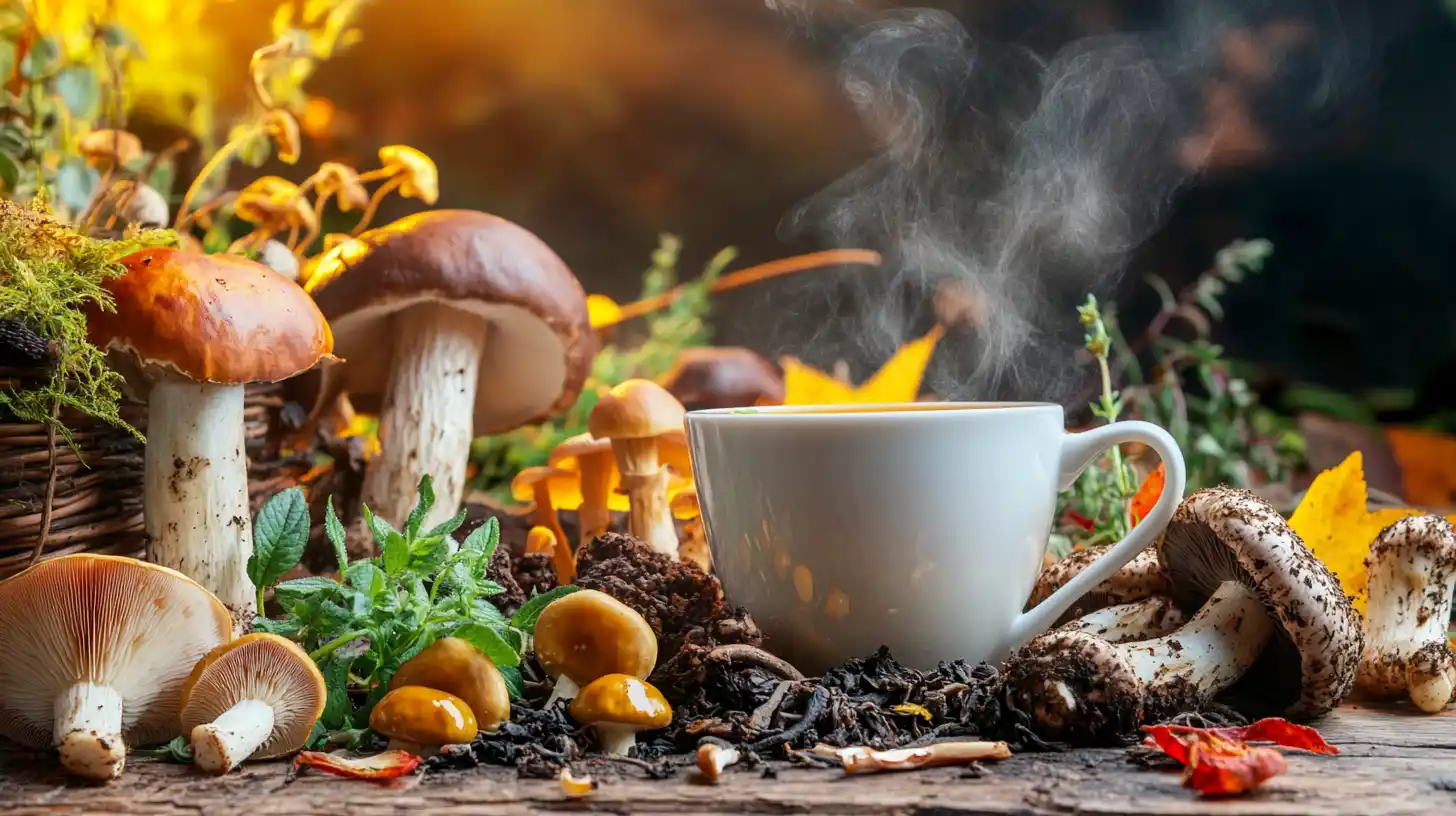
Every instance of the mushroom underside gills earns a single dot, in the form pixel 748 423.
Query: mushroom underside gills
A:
pixel 223 744
pixel 616 740
pixel 196 499
pixel 425 426
pixel 88 731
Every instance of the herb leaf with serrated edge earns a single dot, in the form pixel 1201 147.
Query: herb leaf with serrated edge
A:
pixel 337 535
pixel 280 535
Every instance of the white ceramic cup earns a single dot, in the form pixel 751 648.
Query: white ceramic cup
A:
pixel 920 526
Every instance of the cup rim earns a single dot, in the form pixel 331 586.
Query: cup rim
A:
pixel 867 412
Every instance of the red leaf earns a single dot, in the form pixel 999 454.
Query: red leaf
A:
pixel 1218 767
pixel 1080 520
pixel 1162 738
pixel 1270 729
pixel 1147 495
pixel 388 765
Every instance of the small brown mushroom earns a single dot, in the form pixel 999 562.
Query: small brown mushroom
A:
pixel 619 706
pixel 422 720
pixel 588 634
pixel 591 459
pixel 257 697
pixel 1412 569
pixel 454 666
pixel 488 329
pixel 273 206
pixel 97 649
pixel 713 756
pixel 723 377
pixel 636 415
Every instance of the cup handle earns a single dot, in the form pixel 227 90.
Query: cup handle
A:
pixel 1078 451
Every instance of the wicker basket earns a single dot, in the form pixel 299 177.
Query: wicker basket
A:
pixel 96 483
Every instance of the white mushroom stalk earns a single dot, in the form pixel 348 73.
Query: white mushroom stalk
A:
pixel 1412 569
pixel 221 745
pixel 196 497
pixel 88 731
pixel 1139 620
pixel 617 740
pixel 1212 650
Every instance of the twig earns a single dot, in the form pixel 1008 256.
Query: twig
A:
pixel 762 716
pixel 813 710
pixel 754 656
pixel 50 491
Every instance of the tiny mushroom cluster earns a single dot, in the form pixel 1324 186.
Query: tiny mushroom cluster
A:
pixel 1261 606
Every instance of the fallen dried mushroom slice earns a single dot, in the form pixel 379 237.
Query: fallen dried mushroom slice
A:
pixel 1412 569
pixel 713 755
pixel 136 629
pixel 257 697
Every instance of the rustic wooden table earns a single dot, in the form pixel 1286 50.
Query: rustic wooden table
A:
pixel 1392 762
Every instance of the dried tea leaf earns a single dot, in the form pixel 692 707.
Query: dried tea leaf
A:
pixel 1334 519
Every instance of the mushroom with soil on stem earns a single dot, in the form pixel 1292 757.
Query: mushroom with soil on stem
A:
pixel 454 666
pixel 1412 574
pixel 257 697
pixel 1139 620
pixel 1259 596
pixel 636 415
pixel 189 332
pixel 405 169
pixel 723 377
pixel 619 706
pixel 1140 578
pixel 685 508
pixel 422 720
pixel 589 634
pixel 489 331
pixel 537 484
pixel 97 650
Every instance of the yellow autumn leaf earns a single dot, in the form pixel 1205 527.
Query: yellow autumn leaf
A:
pixel 913 709
pixel 898 380
pixel 1335 520
pixel 602 311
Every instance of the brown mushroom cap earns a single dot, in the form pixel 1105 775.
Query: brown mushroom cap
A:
pixel 135 627
pixel 636 409
pixel 588 634
pixel 723 377
pixel 1223 534
pixel 455 666
pixel 541 343
pixel 263 667
pixel 211 318
pixel 425 716
pixel 624 700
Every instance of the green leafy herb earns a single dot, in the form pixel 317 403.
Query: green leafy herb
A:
pixel 382 611
pixel 178 750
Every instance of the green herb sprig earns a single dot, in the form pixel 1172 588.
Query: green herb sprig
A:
pixel 382 611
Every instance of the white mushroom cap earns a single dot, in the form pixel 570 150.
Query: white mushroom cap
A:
pixel 97 649
pixel 1223 534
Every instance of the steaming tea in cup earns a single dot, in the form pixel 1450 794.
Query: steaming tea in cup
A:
pixel 919 526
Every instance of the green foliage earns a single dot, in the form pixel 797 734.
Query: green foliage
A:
pixel 681 325
pixel 1226 436
pixel 382 611
pixel 49 276
pixel 178 750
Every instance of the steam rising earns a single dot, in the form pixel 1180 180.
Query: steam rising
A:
pixel 1025 180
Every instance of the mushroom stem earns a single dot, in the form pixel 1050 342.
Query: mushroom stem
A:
pixel 561 557
pixel 221 745
pixel 594 516
pixel 644 481
pixel 88 731
pixel 426 422
pixel 616 740
pixel 1213 650
pixel 563 689
pixel 1412 569
pixel 1139 620
pixel 383 190
pixel 196 499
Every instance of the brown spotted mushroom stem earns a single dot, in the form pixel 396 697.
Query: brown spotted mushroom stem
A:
pixel 467 325
pixel 588 634
pixel 636 415
pixel 257 697
pixel 189 332
pixel 1139 620
pixel 1140 578
pixel 1259 594
pixel 1412 569
pixel 97 649
pixel 454 666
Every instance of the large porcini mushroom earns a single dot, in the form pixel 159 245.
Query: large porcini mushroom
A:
pixel 454 666
pixel 489 332
pixel 635 415
pixel 97 649
pixel 189 332
pixel 723 377
pixel 257 697
pixel 588 634
pixel 1259 594
pixel 619 706
pixel 538 484
pixel 423 720
pixel 1412 569
pixel 1140 578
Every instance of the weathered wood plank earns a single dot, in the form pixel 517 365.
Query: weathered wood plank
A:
pixel 1394 764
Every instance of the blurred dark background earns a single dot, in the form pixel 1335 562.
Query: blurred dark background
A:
pixel 600 123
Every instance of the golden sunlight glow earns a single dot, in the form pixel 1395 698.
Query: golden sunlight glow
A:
pixel 898 380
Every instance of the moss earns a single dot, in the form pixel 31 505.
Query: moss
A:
pixel 49 275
